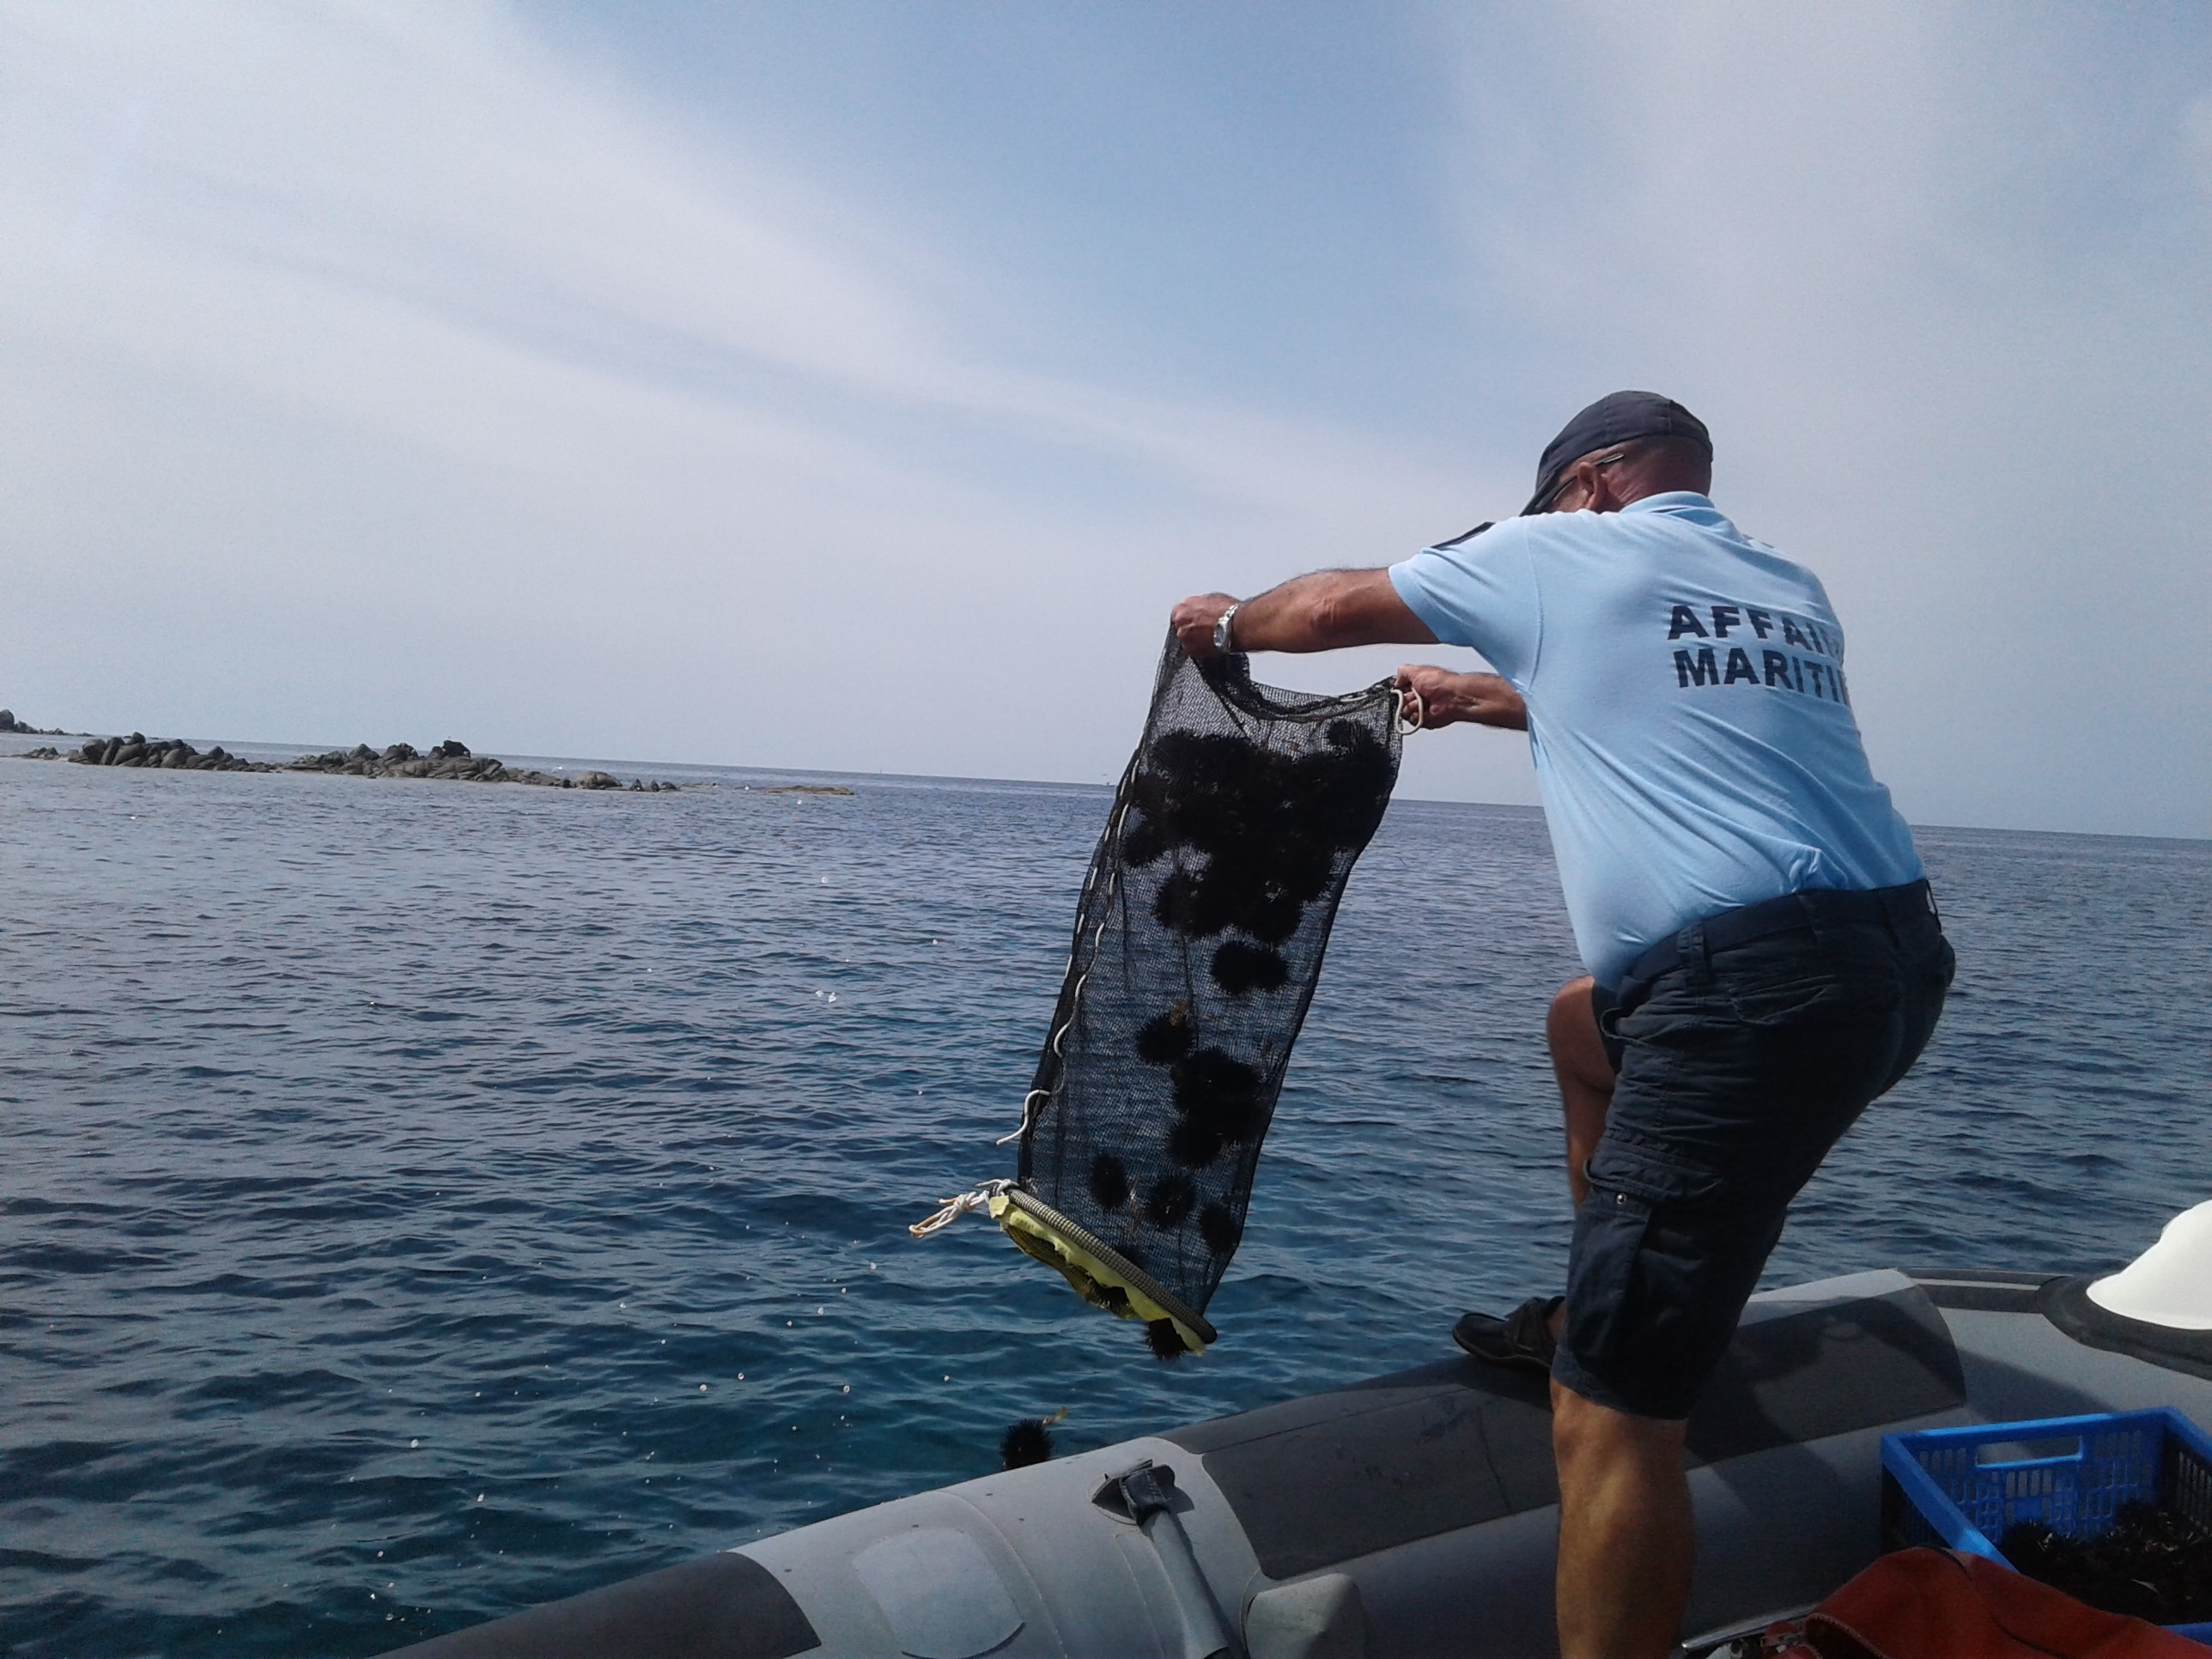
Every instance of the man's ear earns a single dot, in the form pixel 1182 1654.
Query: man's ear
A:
pixel 1575 474
pixel 1604 496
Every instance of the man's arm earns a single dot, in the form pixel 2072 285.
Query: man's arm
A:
pixel 1324 612
pixel 1439 697
pixel 1332 609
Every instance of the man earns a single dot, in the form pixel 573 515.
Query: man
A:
pixel 1765 957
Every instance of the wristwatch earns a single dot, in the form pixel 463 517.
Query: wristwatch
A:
pixel 1222 642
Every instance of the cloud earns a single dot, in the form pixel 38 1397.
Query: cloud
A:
pixel 381 364
pixel 1937 285
pixel 380 371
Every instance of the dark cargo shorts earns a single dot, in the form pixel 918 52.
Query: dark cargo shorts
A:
pixel 1741 1062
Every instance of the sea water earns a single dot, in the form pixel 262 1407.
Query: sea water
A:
pixel 424 1199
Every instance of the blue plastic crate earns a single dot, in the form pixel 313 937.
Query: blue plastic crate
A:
pixel 1938 1490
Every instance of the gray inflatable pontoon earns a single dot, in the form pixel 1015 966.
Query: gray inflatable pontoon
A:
pixel 1410 1515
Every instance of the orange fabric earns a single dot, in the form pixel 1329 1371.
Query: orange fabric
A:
pixel 1940 1604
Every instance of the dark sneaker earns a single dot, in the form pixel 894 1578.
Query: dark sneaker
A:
pixel 1521 1340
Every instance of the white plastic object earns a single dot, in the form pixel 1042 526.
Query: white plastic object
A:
pixel 2169 1284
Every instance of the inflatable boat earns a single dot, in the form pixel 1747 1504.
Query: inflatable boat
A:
pixel 1414 1515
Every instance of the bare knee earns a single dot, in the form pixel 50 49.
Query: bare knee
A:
pixel 1585 1434
pixel 1578 1425
pixel 1573 1431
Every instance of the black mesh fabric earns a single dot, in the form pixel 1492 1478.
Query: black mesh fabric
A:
pixel 1198 944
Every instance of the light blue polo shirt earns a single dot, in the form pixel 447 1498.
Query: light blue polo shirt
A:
pixel 1688 711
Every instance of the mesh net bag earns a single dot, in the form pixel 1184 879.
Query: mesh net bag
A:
pixel 1198 939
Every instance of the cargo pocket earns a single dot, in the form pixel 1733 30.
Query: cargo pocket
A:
pixel 1635 1169
pixel 1613 1293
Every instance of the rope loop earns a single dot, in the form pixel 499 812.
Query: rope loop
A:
pixel 1413 721
pixel 956 1207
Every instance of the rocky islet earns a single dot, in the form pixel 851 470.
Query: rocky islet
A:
pixel 163 754
pixel 9 723
pixel 450 760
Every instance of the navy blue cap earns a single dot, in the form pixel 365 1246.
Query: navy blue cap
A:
pixel 1615 418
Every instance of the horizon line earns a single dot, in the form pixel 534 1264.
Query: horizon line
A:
pixel 1047 783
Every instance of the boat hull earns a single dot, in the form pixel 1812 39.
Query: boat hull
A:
pixel 1410 1514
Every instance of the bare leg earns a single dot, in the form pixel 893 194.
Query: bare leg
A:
pixel 1585 1077
pixel 1625 1530
pixel 1625 1524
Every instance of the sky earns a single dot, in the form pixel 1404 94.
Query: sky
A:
pixel 855 386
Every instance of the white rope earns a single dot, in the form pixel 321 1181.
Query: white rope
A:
pixel 1411 722
pixel 956 1207
pixel 1029 1106
pixel 1032 1101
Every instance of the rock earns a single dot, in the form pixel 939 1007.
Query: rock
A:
pixel 7 720
pixel 597 780
pixel 44 751
pixel 396 753
pixel 130 755
pixel 453 749
pixel 135 736
pixel 177 757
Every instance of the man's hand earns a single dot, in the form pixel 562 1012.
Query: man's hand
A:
pixel 1193 619
pixel 1447 699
